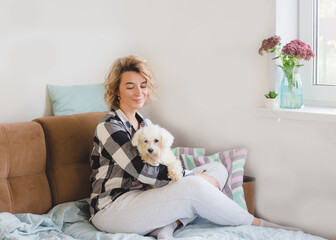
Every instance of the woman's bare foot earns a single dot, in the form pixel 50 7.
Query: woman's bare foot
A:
pixel 264 223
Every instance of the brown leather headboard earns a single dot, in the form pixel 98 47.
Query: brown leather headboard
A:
pixel 23 182
pixel 69 141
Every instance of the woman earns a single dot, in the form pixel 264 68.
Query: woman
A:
pixel 120 200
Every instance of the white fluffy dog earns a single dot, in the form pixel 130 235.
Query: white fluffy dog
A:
pixel 154 146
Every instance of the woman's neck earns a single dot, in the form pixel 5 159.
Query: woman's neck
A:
pixel 131 117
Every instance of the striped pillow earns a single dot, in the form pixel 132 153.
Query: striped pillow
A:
pixel 178 151
pixel 234 161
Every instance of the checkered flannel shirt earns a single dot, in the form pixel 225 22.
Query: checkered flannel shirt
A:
pixel 116 166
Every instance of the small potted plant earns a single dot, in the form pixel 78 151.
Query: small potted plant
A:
pixel 270 99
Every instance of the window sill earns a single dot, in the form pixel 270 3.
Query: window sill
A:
pixel 306 113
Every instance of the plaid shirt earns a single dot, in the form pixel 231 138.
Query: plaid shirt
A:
pixel 116 166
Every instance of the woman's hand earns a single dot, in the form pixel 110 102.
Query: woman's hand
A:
pixel 208 178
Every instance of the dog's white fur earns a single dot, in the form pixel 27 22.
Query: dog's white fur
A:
pixel 154 146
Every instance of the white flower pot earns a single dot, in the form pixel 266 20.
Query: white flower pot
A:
pixel 270 103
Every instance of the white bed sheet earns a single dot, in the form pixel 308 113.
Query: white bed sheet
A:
pixel 69 221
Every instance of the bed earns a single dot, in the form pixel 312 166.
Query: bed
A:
pixel 44 186
pixel 70 221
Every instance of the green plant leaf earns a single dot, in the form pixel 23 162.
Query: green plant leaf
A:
pixel 271 95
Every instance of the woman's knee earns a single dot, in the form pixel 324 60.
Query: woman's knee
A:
pixel 218 171
pixel 193 184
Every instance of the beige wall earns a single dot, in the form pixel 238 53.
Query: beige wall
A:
pixel 211 82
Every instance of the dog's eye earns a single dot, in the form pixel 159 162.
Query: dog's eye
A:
pixel 146 141
pixel 156 140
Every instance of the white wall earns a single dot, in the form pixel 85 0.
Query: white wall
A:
pixel 211 82
pixel 58 42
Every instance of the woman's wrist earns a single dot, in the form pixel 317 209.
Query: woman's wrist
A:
pixel 201 174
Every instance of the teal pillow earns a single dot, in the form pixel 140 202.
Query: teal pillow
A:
pixel 67 100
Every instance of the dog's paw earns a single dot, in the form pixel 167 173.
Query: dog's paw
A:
pixel 175 171
pixel 174 177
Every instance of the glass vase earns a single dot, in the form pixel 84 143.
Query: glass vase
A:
pixel 291 89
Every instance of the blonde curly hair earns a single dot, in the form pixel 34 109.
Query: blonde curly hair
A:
pixel 125 64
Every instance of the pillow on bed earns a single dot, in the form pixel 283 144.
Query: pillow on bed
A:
pixel 67 100
pixel 234 161
pixel 178 151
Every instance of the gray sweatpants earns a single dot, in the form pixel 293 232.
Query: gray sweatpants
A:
pixel 144 211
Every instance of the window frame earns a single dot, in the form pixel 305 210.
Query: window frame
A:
pixel 313 94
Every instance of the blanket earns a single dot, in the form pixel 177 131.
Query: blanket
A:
pixel 69 221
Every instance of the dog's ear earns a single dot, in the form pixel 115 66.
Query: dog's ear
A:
pixel 166 138
pixel 135 138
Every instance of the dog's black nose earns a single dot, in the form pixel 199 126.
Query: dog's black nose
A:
pixel 150 150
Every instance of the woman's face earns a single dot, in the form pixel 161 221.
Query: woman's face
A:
pixel 133 91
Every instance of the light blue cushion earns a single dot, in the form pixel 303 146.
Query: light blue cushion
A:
pixel 67 100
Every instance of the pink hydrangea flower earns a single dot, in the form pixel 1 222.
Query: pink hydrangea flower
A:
pixel 299 50
pixel 269 44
